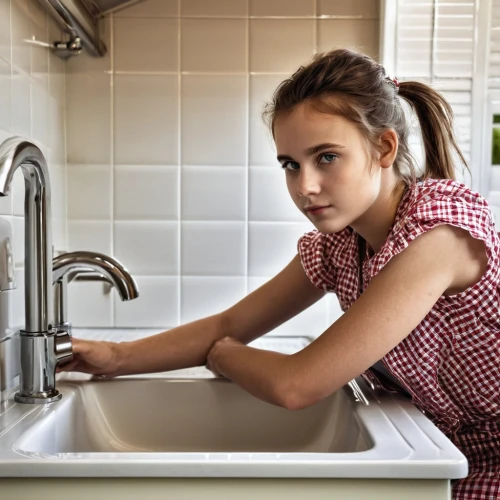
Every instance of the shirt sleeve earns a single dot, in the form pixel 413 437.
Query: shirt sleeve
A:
pixel 315 251
pixel 466 210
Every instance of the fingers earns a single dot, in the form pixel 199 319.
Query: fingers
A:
pixel 67 367
pixel 78 345
pixel 224 340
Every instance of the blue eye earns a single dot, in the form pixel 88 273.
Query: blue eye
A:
pixel 328 157
pixel 290 165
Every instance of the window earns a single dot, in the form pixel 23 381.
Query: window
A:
pixel 492 141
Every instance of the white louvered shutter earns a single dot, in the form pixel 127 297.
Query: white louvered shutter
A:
pixel 435 44
pixel 494 56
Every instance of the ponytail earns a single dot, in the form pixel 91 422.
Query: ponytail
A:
pixel 436 123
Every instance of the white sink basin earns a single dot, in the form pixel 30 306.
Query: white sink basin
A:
pixel 212 415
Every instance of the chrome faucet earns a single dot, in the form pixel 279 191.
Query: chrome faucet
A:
pixel 42 347
pixel 69 265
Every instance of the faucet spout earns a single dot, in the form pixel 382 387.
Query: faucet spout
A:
pixel 113 270
pixel 14 153
pixel 71 265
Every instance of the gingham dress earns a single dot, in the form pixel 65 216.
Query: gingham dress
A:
pixel 450 363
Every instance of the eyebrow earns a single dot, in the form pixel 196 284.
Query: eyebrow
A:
pixel 312 150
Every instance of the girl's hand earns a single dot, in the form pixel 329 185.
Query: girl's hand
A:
pixel 94 357
pixel 214 356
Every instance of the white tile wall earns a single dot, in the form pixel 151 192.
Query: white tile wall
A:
pixel 88 188
pixel 147 247
pixel 213 248
pixel 214 120
pixel 313 320
pixel 272 245
pixel 281 45
pixel 285 8
pixel 224 49
pixel 32 104
pixel 155 52
pixel 358 33
pixel 152 8
pixel 156 306
pixel 149 102
pixel 172 169
pixel 202 296
pixel 146 193
pixel 5 41
pixel 214 8
pixel 352 8
pixel 88 107
pixel 214 193
pixel 92 235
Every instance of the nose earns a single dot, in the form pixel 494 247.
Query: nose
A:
pixel 308 182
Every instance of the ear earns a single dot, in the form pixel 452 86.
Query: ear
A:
pixel 388 148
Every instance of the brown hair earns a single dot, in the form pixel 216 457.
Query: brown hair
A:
pixel 353 85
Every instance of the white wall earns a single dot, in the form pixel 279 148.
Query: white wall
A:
pixel 31 105
pixel 170 168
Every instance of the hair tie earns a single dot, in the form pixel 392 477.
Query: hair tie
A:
pixel 394 82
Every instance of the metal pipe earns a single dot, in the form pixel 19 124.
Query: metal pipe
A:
pixel 80 19
pixel 78 23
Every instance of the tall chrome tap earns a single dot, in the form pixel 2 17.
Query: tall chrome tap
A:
pixel 42 347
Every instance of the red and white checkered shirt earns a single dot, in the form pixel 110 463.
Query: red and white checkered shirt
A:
pixel 450 363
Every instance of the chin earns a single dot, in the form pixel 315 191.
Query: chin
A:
pixel 329 227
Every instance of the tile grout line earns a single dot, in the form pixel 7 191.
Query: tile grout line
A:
pixel 209 17
pixel 179 161
pixel 315 28
pixel 65 151
pixel 11 120
pixel 247 152
pixel 112 148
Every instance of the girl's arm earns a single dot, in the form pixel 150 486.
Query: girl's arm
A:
pixel 281 298
pixel 443 260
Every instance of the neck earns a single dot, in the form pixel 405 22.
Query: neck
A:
pixel 376 223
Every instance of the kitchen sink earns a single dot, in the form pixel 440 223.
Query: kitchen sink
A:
pixel 188 423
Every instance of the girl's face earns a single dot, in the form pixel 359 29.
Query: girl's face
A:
pixel 330 173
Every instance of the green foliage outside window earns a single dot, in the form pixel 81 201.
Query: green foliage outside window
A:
pixel 495 143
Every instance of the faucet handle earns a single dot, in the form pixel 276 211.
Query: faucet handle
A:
pixel 63 347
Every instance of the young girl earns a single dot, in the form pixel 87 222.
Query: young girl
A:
pixel 413 260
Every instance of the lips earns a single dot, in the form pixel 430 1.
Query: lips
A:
pixel 316 209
